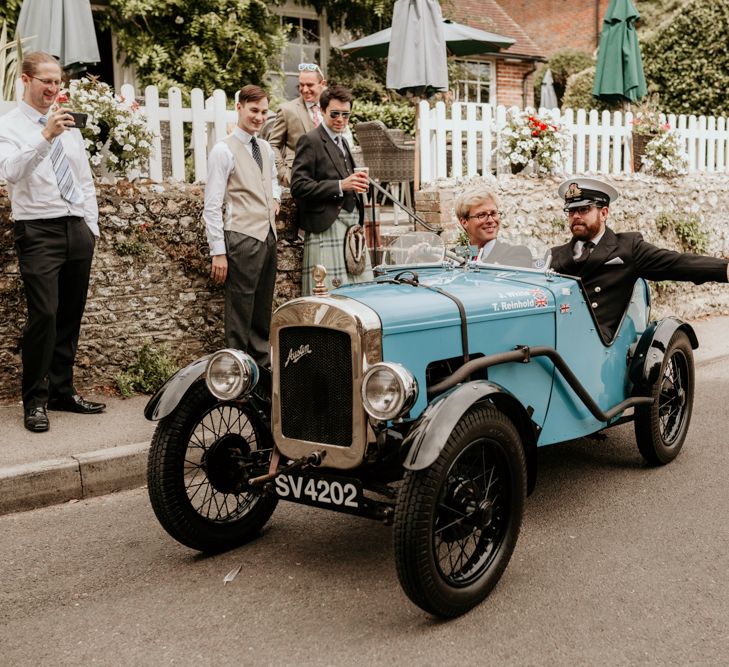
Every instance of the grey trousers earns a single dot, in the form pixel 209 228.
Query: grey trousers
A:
pixel 249 290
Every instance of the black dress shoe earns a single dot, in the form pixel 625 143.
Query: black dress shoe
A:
pixel 75 403
pixel 36 419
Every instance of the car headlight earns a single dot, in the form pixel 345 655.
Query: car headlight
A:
pixel 231 374
pixel 388 391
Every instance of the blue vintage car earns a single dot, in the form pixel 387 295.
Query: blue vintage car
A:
pixel 419 400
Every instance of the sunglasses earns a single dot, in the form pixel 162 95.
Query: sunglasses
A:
pixel 343 114
pixel 309 67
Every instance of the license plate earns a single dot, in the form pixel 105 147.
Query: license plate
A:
pixel 339 493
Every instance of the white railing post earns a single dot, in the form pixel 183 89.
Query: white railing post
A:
pixel 457 138
pixel 199 134
pixel 441 139
pixel 151 110
pixel 423 133
pixel 177 135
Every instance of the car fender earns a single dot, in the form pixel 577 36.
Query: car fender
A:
pixel 169 395
pixel 427 438
pixel 645 365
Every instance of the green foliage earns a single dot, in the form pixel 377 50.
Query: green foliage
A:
pixel 205 44
pixel 563 63
pixel 687 229
pixel 394 116
pixel 136 245
pixel 578 94
pixel 654 13
pixel 687 62
pixel 9 11
pixel 148 373
pixel 360 17
pixel 11 55
pixel 363 76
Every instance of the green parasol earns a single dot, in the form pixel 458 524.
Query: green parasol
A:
pixel 619 71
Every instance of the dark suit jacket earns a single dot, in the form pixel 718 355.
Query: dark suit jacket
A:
pixel 615 264
pixel 511 255
pixel 318 167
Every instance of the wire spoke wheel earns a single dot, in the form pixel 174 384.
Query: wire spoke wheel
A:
pixel 457 521
pixel 201 459
pixel 660 429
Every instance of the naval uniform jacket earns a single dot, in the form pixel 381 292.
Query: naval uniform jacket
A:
pixel 319 165
pixel 618 260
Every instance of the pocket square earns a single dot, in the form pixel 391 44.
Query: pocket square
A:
pixel 614 261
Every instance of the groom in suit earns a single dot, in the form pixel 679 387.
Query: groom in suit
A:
pixel 609 264
pixel 328 192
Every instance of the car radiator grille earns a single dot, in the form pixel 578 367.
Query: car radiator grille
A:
pixel 316 389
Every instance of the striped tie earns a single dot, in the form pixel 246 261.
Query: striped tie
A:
pixel 256 152
pixel 62 169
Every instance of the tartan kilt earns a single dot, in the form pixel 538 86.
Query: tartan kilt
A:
pixel 327 248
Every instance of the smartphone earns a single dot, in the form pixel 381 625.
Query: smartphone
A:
pixel 79 119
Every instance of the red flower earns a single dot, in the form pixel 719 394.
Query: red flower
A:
pixel 62 98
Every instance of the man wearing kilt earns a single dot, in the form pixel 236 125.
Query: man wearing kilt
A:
pixel 328 192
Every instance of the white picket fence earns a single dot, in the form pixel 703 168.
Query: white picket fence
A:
pixel 465 143
pixel 460 144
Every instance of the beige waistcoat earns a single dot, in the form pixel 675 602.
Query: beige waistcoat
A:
pixel 249 203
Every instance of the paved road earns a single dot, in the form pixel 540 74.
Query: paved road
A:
pixel 616 565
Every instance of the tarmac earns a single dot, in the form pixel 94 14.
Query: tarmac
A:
pixel 89 455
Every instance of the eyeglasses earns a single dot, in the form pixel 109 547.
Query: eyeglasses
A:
pixel 495 215
pixel 309 67
pixel 48 82
pixel 343 114
pixel 582 210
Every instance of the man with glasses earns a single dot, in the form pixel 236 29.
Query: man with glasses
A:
pixel 328 192
pixel 609 264
pixel 43 159
pixel 478 212
pixel 295 118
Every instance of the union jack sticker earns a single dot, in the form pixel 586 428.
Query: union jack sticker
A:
pixel 540 301
pixel 564 308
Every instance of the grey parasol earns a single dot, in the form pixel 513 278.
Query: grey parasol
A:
pixel 548 98
pixel 416 59
pixel 63 28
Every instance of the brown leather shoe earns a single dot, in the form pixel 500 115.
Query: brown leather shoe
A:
pixel 36 419
pixel 75 403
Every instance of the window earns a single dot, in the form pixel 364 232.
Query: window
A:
pixel 303 45
pixel 473 81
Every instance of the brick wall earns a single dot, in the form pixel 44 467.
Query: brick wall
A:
pixel 509 83
pixel 558 24
pixel 149 283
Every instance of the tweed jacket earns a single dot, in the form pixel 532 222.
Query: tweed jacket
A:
pixel 618 260
pixel 318 167
pixel 291 123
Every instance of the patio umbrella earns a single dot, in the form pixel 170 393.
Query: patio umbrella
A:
pixel 63 28
pixel 619 70
pixel 416 59
pixel 547 96
pixel 461 40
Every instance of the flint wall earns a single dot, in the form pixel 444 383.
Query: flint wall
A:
pixel 150 283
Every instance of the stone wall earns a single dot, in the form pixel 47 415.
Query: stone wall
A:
pixel 149 283
pixel 533 215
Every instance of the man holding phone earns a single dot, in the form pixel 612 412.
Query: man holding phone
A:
pixel 43 159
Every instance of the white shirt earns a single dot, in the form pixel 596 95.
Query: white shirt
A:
pixel 220 165
pixel 25 164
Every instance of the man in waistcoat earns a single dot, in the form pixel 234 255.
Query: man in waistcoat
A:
pixel 328 192
pixel 241 201
pixel 609 264
pixel 44 162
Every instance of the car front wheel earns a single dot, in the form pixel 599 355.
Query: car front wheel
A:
pixel 200 460
pixel 660 428
pixel 457 522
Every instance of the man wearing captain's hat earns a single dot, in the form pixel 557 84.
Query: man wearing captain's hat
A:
pixel 609 264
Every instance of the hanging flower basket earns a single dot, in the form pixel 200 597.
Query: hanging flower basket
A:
pixel 640 141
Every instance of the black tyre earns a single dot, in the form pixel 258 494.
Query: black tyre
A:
pixel 660 428
pixel 457 522
pixel 199 462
